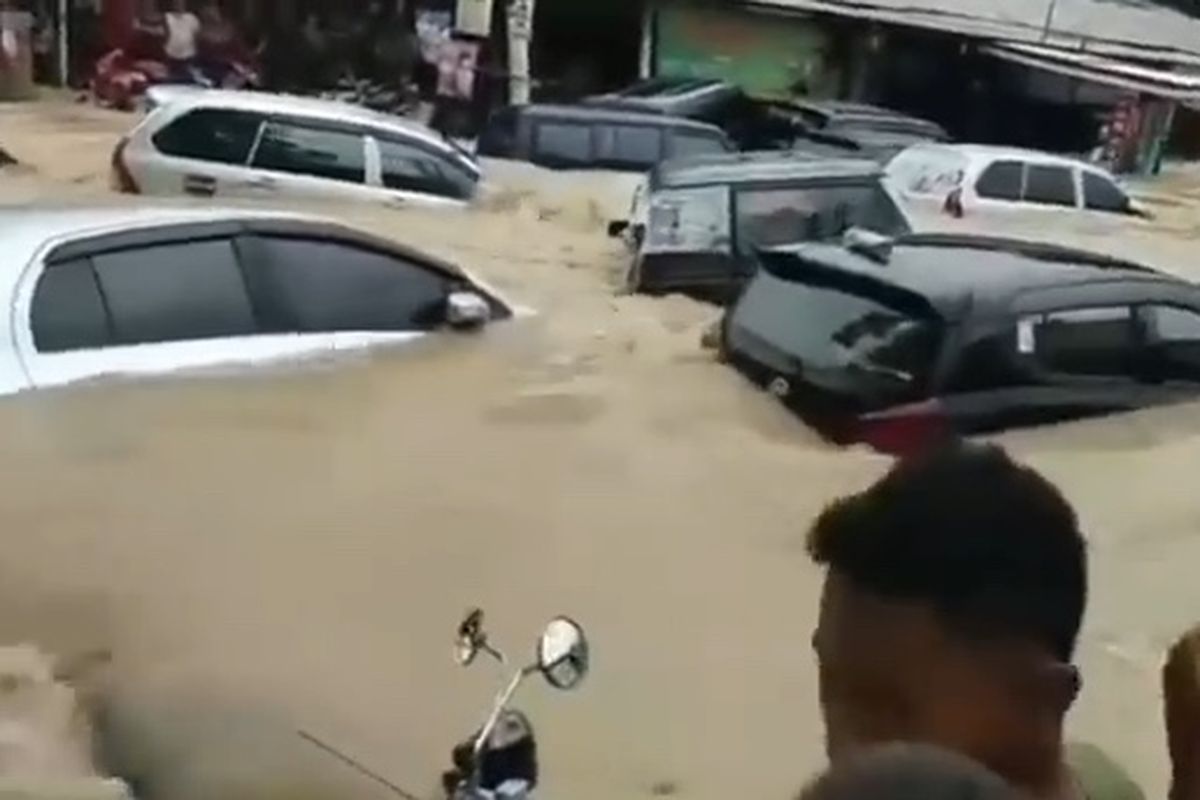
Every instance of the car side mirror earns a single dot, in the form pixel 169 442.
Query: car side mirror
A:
pixel 466 309
pixel 617 228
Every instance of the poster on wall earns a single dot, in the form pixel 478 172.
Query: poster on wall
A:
pixel 766 56
pixel 473 18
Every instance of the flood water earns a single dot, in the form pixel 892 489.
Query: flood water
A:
pixel 292 550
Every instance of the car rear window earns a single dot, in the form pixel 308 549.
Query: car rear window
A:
pixel 831 331
pixel 785 215
pixel 685 144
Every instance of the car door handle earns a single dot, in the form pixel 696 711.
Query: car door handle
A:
pixel 261 183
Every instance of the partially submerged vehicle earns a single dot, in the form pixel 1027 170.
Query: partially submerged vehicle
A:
pixel 104 291
pixel 697 225
pixel 982 179
pixel 901 342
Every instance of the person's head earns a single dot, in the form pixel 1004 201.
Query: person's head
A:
pixel 909 772
pixel 954 593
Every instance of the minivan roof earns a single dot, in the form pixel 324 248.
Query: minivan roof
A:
pixel 587 113
pixel 755 167
pixel 947 268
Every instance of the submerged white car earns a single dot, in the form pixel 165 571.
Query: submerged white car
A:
pixel 964 179
pixel 92 292
pixel 218 143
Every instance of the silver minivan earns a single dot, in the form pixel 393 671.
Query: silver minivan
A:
pixel 217 143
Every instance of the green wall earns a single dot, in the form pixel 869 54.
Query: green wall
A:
pixel 764 53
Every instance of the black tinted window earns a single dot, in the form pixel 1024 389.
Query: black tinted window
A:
pixel 1001 181
pixel 210 134
pixel 68 313
pixel 629 146
pixel 312 151
pixel 1101 194
pixel 564 144
pixel 189 290
pixel 888 350
pixel 768 217
pixel 1054 186
pixel 499 138
pixel 309 285
pixel 696 144
pixel 1175 339
pixel 988 363
pixel 1093 341
pixel 410 168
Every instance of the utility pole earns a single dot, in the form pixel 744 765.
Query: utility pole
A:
pixel 520 36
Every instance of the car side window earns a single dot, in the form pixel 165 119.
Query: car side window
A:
pixel 563 143
pixel 1101 194
pixel 173 292
pixel 147 295
pixel 1174 334
pixel 68 312
pixel 319 152
pixel 308 285
pixel 636 146
pixel 1001 181
pixel 1098 342
pixel 410 168
pixel 988 363
pixel 1051 186
pixel 210 134
pixel 685 144
pixel 499 137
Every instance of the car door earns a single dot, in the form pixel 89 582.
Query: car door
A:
pixel 312 160
pixel 203 153
pixel 409 174
pixel 148 309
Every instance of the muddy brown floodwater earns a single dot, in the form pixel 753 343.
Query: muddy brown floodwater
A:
pixel 293 549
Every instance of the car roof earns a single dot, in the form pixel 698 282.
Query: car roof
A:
pixel 754 167
pixel 311 107
pixel 986 153
pixel 590 113
pixel 949 269
pixel 666 86
pixel 26 230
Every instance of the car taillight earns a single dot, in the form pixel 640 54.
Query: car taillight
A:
pixel 905 430
pixel 122 180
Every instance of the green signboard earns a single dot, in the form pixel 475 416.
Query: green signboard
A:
pixel 766 54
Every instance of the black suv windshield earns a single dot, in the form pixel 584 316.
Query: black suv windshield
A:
pixel 840 337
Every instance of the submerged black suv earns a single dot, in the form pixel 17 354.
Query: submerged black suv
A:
pixel 898 342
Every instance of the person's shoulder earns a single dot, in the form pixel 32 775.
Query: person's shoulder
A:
pixel 1099 775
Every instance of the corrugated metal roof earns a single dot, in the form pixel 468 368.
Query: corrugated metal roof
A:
pixel 1129 28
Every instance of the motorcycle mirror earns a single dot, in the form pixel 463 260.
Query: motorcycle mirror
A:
pixel 470 637
pixel 563 653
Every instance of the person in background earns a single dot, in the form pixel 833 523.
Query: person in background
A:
pixel 221 53
pixel 183 28
pixel 905 771
pixel 954 591
pixel 149 33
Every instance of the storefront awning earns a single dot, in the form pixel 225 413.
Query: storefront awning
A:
pixel 1179 86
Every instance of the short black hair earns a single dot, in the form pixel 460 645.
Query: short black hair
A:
pixel 992 546
pixel 905 771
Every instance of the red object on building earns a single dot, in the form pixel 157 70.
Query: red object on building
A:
pixel 118 18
